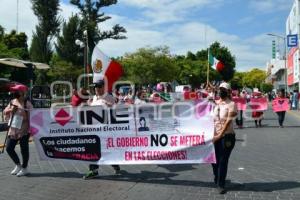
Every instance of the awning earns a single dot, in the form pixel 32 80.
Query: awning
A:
pixel 22 63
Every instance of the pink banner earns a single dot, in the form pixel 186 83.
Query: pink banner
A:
pixel 240 102
pixel 281 105
pixel 258 104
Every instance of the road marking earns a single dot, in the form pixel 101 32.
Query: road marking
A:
pixel 241 168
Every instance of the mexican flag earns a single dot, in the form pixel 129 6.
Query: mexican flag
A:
pixel 105 69
pixel 218 65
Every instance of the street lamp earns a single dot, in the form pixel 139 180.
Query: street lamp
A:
pixel 285 58
pixel 84 44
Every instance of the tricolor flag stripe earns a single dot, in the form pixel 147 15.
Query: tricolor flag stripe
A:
pixel 105 69
pixel 215 63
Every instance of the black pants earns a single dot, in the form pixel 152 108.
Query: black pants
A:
pixel 239 118
pixel 281 116
pixel 95 167
pixel 223 148
pixel 24 144
pixel 258 122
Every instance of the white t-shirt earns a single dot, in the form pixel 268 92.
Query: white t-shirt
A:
pixel 221 113
pixel 103 100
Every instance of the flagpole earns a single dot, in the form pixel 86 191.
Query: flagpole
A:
pixel 207 73
pixel 207 80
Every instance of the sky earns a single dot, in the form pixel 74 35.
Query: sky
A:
pixel 183 25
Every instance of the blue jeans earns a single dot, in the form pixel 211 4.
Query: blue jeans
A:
pixel 223 148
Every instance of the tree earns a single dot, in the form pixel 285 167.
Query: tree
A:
pixel 48 26
pixel 266 87
pixel 66 48
pixel 237 81
pixel 63 70
pixel 149 66
pixel 16 44
pixel 14 40
pixel 91 16
pixel 223 54
pixel 13 45
pixel 1 33
pixel 192 70
pixel 254 78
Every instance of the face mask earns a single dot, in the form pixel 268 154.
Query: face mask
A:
pixel 223 94
pixel 17 95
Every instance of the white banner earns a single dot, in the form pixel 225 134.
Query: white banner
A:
pixel 147 134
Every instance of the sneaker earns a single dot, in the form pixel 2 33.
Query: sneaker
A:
pixel 221 190
pixel 117 170
pixel 22 172
pixel 16 170
pixel 215 181
pixel 90 175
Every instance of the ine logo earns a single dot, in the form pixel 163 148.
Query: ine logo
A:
pixel 62 117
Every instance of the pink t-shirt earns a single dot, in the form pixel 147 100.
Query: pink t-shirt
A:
pixel 20 114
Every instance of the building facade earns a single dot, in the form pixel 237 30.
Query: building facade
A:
pixel 292 54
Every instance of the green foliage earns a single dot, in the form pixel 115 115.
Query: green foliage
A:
pixel 238 80
pixel 66 48
pixel 254 78
pixel 40 50
pixel 48 26
pixel 149 65
pixel 63 70
pixel 92 16
pixel 267 87
pixel 1 32
pixel 46 12
pixel 152 65
pixel 223 54
pixel 14 40
pixel 190 70
pixel 14 45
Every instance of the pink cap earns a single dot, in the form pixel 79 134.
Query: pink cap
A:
pixel 19 87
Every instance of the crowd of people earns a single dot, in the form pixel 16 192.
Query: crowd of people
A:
pixel 224 113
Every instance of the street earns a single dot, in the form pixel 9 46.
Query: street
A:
pixel 264 165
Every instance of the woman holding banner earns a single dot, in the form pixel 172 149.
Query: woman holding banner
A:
pixel 18 113
pixel 224 138
pixel 101 98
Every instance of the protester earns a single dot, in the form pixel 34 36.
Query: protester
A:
pixel 281 114
pixel 100 99
pixel 224 136
pixel 121 97
pixel 18 112
pixel 295 100
pixel 140 97
pixel 129 97
pixel 210 90
pixel 257 115
pixel 239 119
pixel 79 97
